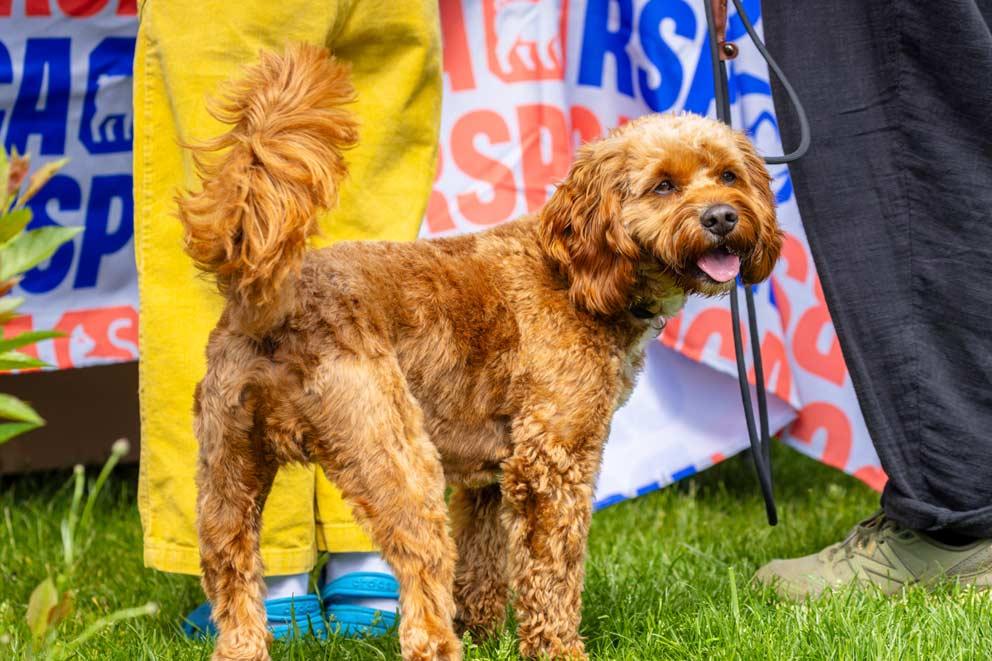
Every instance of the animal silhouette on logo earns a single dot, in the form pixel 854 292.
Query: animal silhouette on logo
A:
pixel 526 39
pixel 101 335
pixel 108 117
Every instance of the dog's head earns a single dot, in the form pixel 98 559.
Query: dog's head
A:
pixel 682 193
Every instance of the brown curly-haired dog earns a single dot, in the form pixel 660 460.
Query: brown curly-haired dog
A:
pixel 493 362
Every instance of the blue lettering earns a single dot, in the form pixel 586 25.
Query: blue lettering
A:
pixel 701 90
pixel 660 53
pixel 97 239
pixel 785 189
pixel 66 192
pixel 741 84
pixel 597 41
pixel 6 74
pixel 51 56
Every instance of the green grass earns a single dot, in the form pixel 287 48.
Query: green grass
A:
pixel 668 578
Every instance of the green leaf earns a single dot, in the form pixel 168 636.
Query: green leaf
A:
pixel 17 169
pixel 15 360
pixel 13 223
pixel 64 609
pixel 32 248
pixel 9 430
pixel 40 178
pixel 43 601
pixel 29 337
pixel 9 304
pixel 13 408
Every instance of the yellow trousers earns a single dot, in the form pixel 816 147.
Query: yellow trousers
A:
pixel 186 50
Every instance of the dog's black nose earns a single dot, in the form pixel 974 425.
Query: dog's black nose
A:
pixel 719 219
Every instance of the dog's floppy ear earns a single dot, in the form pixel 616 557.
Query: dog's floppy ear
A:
pixel 581 229
pixel 762 208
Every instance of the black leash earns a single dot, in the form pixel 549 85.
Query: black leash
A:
pixel 760 438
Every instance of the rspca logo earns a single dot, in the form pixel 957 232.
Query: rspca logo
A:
pixel 108 119
pixel 525 39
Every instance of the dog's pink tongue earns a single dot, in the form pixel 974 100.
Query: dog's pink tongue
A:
pixel 720 265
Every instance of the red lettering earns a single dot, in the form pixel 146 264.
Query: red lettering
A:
pixel 456 54
pixel 707 324
pixel 670 335
pixel 74 8
pixel 544 140
pixel 822 415
pixel 873 476
pixel 776 367
pixel 483 168
pixel 585 125
pixel 37 8
pixel 814 322
pixel 782 303
pixel 794 254
pixel 82 8
pixel 438 216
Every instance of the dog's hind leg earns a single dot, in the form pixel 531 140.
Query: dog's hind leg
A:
pixel 481 584
pixel 233 479
pixel 372 444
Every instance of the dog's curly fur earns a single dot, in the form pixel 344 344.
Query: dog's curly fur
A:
pixel 491 362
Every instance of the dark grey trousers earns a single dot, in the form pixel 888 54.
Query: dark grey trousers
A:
pixel 896 198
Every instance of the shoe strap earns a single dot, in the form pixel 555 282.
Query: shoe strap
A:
pixel 362 616
pixel 303 608
pixel 361 584
pixel 280 614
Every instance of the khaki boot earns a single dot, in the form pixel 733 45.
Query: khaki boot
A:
pixel 882 553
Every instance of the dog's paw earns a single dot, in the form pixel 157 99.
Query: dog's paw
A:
pixel 419 646
pixel 238 656
pixel 242 650
pixel 450 650
pixel 553 649
pixel 482 627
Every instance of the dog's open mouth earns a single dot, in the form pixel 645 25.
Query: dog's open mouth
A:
pixel 720 264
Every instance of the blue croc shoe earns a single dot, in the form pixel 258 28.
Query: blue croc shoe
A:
pixel 353 621
pixel 288 617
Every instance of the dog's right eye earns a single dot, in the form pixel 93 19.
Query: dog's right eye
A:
pixel 665 188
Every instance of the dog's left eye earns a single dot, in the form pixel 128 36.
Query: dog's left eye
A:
pixel 665 187
pixel 728 177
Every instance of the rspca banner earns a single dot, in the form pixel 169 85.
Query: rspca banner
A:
pixel 65 91
pixel 525 82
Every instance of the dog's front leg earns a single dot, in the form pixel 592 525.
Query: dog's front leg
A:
pixel 548 491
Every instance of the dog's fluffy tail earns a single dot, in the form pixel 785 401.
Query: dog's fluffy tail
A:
pixel 281 165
